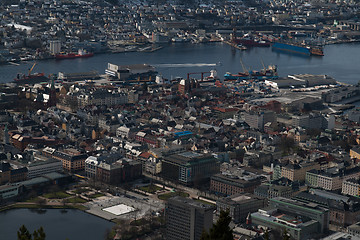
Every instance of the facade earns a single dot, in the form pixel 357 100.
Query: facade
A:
pixel 257 119
pixel 186 219
pixel 302 221
pixel 40 168
pixel 351 187
pixel 9 191
pixel 4 172
pixel 297 172
pixel 189 167
pixel 10 174
pixel 72 160
pixel 240 205
pixel 354 229
pixel 18 174
pixel 101 97
pixel 330 179
pixel 55 47
pixel 229 185
pixel 112 168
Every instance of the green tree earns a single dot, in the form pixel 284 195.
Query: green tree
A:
pixel 39 234
pixel 23 233
pixel 221 229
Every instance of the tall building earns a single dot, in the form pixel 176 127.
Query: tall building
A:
pixel 186 218
pixel 55 47
pixel 190 167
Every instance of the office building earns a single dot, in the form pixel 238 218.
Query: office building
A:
pixel 240 205
pixel 72 160
pixel 331 178
pixel 186 218
pixel 189 167
pixel 231 185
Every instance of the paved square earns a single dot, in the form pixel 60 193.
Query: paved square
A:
pixel 119 209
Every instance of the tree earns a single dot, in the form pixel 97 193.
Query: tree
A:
pixel 39 234
pixel 221 229
pixel 23 233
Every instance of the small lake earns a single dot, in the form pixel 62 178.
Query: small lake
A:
pixel 57 224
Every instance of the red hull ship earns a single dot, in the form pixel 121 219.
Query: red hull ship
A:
pixel 30 78
pixel 80 54
pixel 251 42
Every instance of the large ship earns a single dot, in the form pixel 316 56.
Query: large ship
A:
pixel 300 49
pixel 81 54
pixel 265 73
pixel 30 78
pixel 250 42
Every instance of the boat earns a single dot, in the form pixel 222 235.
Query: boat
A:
pixel 300 49
pixel 81 54
pixel 30 78
pixel 250 42
pixel 263 74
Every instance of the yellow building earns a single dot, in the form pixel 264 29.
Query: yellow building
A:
pixel 297 172
pixel 355 153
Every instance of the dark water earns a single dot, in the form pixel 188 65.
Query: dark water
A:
pixel 341 61
pixel 73 224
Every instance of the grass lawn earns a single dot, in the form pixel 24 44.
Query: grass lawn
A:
pixel 75 200
pixel 96 195
pixel 33 200
pixel 56 195
pixel 166 196
pixel 81 190
pixel 150 188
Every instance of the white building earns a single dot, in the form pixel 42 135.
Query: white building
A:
pixel 55 47
pixel 40 168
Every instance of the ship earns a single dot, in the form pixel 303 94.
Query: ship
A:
pixel 300 49
pixel 30 78
pixel 81 54
pixel 249 41
pixel 263 74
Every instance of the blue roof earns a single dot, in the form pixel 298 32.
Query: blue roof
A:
pixel 184 133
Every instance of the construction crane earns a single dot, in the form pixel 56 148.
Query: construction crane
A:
pixel 30 70
pixel 243 67
pixel 202 75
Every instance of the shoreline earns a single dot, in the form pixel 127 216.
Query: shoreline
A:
pixel 35 206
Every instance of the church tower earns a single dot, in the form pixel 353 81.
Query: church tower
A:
pixel 52 100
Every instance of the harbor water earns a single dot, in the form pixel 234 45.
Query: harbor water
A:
pixel 341 61
pixel 58 224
